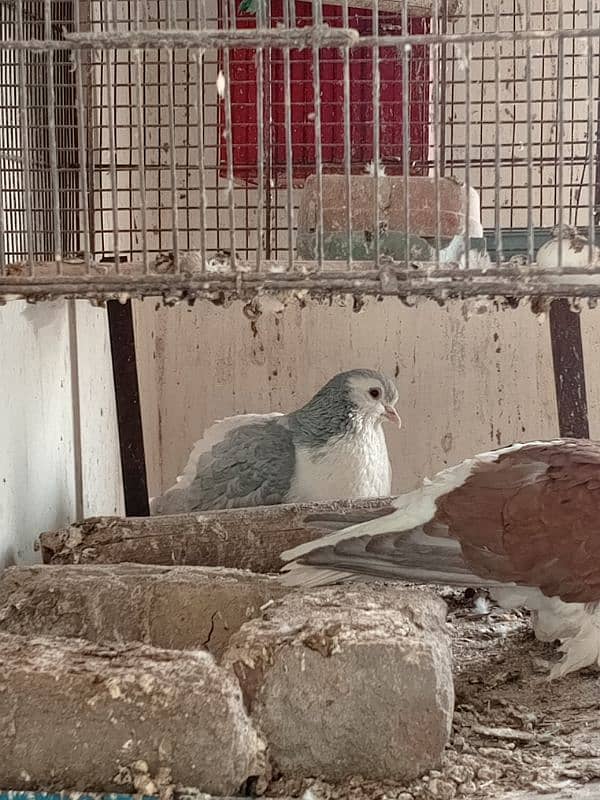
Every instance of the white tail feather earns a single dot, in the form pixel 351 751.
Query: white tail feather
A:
pixel 576 625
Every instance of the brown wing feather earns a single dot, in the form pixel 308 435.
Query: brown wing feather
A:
pixel 533 517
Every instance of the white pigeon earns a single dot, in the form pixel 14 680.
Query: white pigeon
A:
pixel 523 520
pixel 332 448
pixel 574 252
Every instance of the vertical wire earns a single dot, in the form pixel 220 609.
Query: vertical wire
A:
pixel 260 118
pixel 2 232
pixel 171 14
pixel 24 126
pixel 468 47
pixel 2 218
pixel 436 134
pixel 201 19
pixel 347 133
pixel 376 126
pixel 529 101
pixel 270 185
pixel 560 73
pixel 52 143
pixel 229 145
pixel 406 50
pixel 498 144
pixel 81 139
pixel 141 143
pixel 590 131
pixel 317 22
pixel 289 153
pixel 112 141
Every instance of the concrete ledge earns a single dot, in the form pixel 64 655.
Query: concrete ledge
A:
pixel 349 681
pixel 172 607
pixel 87 717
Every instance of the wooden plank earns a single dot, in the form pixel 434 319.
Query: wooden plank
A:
pixel 129 417
pixel 247 538
pixel 569 372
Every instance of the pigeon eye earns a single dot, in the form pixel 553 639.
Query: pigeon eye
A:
pixel 375 393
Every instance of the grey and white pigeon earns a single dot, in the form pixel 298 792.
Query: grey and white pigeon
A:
pixel 331 448
pixel 523 520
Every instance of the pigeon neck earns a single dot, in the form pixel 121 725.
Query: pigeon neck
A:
pixel 320 421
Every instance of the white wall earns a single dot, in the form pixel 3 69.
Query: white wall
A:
pixel 38 427
pixel 465 385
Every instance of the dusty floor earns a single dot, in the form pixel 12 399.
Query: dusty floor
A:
pixel 512 730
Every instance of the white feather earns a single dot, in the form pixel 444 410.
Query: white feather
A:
pixel 356 466
pixel 576 625
pixel 482 605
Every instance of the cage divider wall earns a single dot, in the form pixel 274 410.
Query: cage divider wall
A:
pixel 380 149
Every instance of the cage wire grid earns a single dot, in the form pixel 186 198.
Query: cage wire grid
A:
pixel 156 146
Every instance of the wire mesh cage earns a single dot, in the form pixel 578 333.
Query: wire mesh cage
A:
pixel 201 146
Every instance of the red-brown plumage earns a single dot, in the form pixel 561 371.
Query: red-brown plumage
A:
pixel 532 517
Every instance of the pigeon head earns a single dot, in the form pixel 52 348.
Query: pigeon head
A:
pixel 348 403
pixel 373 396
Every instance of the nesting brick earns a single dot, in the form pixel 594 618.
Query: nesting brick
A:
pixel 120 718
pixel 392 210
pixel 346 681
pixel 171 607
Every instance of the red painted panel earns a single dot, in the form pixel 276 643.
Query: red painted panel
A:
pixel 391 65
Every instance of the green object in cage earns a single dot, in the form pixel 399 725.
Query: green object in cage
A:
pixel 392 244
pixel 247 7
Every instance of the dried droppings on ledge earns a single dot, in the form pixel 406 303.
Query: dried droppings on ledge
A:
pixel 174 607
pixel 348 680
pixel 83 716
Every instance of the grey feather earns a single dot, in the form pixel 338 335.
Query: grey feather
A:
pixel 252 466
pixel 395 556
pixel 252 463
pixel 405 555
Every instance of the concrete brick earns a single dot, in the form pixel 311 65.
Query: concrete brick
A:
pixel 346 681
pixel 120 718
pixel 172 607
pixel 392 213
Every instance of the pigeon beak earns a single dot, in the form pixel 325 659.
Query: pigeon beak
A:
pixel 392 415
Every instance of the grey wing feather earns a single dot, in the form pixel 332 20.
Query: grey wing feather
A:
pixel 404 556
pixel 252 466
pixel 394 555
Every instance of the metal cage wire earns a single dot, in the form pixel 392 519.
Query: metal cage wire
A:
pixel 121 123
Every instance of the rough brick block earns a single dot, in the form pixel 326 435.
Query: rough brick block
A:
pixel 178 607
pixel 81 716
pixel 392 213
pixel 346 681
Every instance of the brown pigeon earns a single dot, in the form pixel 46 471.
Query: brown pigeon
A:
pixel 523 520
